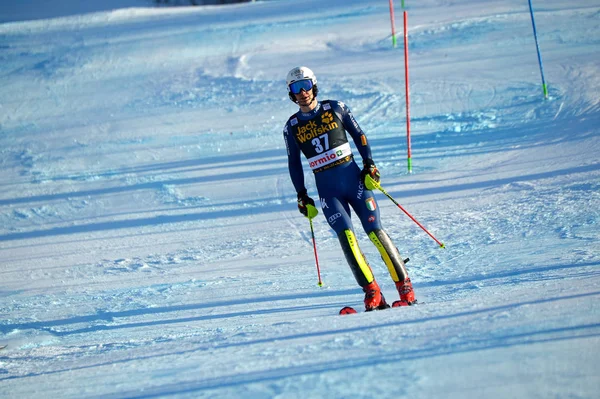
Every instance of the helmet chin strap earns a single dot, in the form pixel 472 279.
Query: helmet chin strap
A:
pixel 312 99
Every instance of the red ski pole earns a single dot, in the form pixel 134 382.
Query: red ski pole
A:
pixel 312 232
pixel 376 184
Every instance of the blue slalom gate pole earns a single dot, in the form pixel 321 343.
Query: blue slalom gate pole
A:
pixel 537 46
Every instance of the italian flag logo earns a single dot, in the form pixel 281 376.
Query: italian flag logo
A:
pixel 371 204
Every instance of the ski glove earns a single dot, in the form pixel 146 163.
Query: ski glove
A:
pixel 306 205
pixel 370 175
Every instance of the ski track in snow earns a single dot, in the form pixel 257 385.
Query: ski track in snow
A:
pixel 150 244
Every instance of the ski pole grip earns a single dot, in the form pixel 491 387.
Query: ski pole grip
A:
pixel 311 211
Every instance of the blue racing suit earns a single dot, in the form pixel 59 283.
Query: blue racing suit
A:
pixel 321 135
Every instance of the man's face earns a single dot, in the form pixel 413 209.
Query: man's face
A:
pixel 304 91
pixel 304 98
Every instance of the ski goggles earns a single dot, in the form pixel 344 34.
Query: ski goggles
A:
pixel 299 85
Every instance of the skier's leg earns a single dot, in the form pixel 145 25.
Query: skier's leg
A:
pixel 367 210
pixel 389 254
pixel 355 258
pixel 362 271
pixel 395 264
pixel 337 214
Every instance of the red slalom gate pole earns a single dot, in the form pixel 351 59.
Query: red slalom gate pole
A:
pixel 394 42
pixel 407 91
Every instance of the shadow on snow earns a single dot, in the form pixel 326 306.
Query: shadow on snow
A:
pixel 466 344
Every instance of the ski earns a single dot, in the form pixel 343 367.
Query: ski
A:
pixel 347 310
pixel 350 310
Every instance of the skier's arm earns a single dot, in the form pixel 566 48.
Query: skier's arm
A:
pixel 352 127
pixel 294 161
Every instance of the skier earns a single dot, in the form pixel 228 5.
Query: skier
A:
pixel 319 130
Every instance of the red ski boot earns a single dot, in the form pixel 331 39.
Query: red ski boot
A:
pixel 373 297
pixel 407 295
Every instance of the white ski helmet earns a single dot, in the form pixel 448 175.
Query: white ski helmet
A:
pixel 301 73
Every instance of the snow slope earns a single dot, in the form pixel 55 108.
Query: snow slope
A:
pixel 150 244
pixel 27 10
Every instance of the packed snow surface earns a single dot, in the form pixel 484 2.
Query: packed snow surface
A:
pixel 150 244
